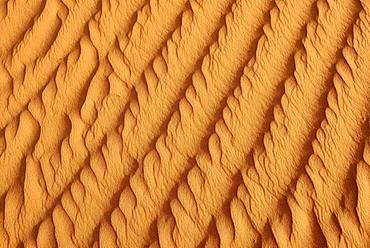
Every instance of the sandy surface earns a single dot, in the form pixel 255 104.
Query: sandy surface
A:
pixel 187 123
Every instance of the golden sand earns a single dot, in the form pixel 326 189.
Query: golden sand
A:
pixel 174 123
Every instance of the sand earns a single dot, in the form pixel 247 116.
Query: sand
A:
pixel 199 123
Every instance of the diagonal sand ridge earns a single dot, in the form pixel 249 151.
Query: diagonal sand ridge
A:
pixel 190 123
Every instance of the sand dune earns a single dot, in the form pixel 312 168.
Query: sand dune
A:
pixel 187 123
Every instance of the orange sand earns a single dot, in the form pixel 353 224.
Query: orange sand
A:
pixel 174 123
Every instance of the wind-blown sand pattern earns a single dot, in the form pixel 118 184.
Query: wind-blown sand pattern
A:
pixel 187 123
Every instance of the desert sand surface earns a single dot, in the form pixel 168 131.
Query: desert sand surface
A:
pixel 184 123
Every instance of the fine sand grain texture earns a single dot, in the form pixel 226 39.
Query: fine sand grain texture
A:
pixel 184 123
